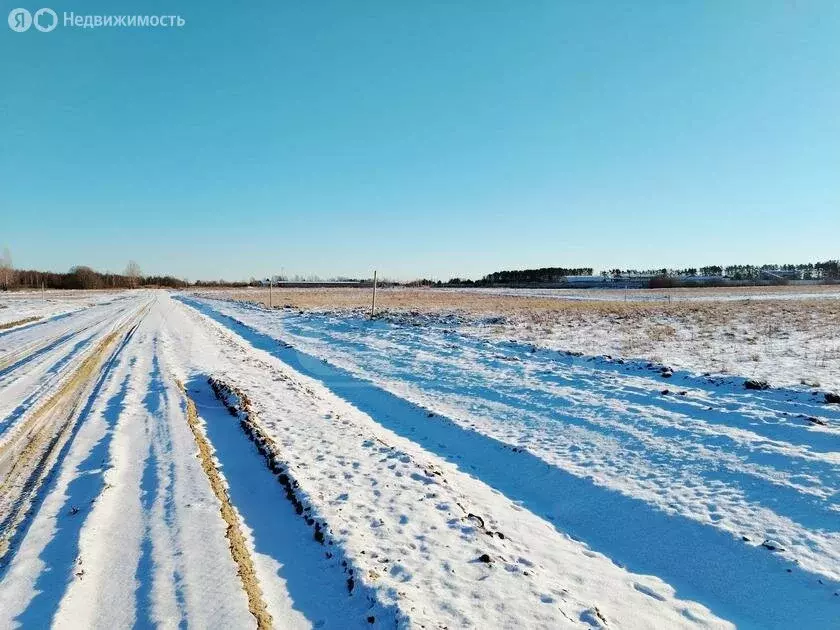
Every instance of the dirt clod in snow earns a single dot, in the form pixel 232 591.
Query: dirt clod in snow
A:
pixel 756 384
pixel 594 617
pixel 772 545
pixel 477 519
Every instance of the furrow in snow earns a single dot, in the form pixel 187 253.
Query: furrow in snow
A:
pixel 238 547
pixel 238 406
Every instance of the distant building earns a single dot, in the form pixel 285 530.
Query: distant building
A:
pixel 635 280
pixel 584 280
pixel 781 274
pixel 703 279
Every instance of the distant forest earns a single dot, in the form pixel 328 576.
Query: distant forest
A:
pixel 828 271
pixel 530 276
pixel 804 271
pixel 83 277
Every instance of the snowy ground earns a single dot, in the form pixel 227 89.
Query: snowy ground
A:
pixel 24 307
pixel 696 294
pixel 789 336
pixel 789 343
pixel 345 473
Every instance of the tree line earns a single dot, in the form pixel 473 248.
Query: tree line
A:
pixel 82 277
pixel 828 270
pixel 543 275
pixel 825 271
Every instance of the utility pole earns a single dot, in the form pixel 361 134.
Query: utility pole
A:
pixel 270 297
pixel 373 303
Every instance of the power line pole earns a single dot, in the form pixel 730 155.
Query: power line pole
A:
pixel 270 297
pixel 373 303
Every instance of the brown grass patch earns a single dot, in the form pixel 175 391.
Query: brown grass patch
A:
pixel 20 322
pixel 477 303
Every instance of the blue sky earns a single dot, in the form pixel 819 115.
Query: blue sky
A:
pixel 423 138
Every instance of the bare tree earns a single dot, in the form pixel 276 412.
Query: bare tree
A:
pixel 132 270
pixel 6 267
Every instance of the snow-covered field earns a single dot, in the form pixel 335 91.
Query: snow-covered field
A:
pixel 789 336
pixel 25 307
pixel 789 343
pixel 171 459
pixel 697 294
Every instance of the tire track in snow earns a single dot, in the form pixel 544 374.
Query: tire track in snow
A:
pixel 189 577
pixel 161 538
pixel 24 388
pixel 62 554
pixel 46 320
pixel 238 547
pixel 14 360
pixel 185 574
pixel 53 375
pixel 61 512
pixel 26 460
pixel 20 358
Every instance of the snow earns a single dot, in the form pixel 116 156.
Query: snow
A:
pixel 748 467
pixel 404 529
pixel 803 350
pixel 125 508
pixel 26 305
pixel 35 359
pixel 417 476
pixel 728 294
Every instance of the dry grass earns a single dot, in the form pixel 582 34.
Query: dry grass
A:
pixel 797 338
pixel 420 300
pixel 475 303
pixel 20 322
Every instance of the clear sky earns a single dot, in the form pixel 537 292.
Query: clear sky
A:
pixel 430 139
